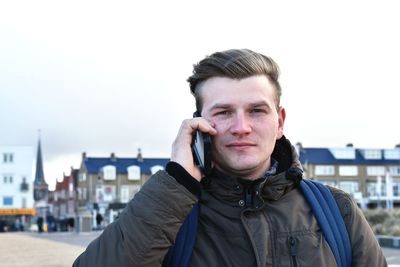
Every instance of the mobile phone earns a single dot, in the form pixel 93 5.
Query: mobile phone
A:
pixel 201 149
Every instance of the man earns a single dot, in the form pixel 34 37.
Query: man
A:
pixel 251 210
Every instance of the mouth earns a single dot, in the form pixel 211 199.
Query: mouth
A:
pixel 239 145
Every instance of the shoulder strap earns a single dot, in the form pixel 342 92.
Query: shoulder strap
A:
pixel 330 220
pixel 179 254
pixel 325 210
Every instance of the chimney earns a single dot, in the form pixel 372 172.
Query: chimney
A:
pixel 112 156
pixel 350 145
pixel 83 156
pixel 139 155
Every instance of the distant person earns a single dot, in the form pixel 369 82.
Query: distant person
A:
pixel 18 225
pixel 2 226
pixel 251 209
pixel 40 224
pixel 71 224
pixel 99 219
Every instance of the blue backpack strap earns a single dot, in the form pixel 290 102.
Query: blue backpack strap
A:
pixel 330 220
pixel 179 254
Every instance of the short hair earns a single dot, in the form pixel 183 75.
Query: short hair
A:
pixel 234 64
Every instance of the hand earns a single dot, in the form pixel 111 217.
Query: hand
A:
pixel 181 148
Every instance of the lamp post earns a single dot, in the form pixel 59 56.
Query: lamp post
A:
pixel 379 190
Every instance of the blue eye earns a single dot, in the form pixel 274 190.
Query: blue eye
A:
pixel 223 113
pixel 258 110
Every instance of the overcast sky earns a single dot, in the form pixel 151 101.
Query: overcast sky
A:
pixel 110 76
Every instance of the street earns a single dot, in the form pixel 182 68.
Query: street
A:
pixel 61 249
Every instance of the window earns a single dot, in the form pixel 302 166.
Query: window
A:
pixel 396 189
pixel 84 193
pixel 79 193
pixel 134 173
pixel 105 194
pixel 348 170
pixel 8 157
pixel 349 187
pixel 8 179
pixel 325 170
pixel 329 182
pixel 156 168
pixel 82 176
pixel 374 191
pixel 372 153
pixel 375 170
pixel 99 195
pixel 62 194
pixel 392 153
pixel 70 188
pixel 23 201
pixel 24 185
pixel 343 153
pixel 109 193
pixel 394 170
pixel 7 201
pixel 124 194
pixel 109 172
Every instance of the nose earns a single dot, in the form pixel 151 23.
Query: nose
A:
pixel 241 125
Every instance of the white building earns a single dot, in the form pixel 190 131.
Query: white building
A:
pixel 16 181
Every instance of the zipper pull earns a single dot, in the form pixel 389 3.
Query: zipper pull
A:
pixel 293 250
pixel 292 246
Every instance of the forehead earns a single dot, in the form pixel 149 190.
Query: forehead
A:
pixel 222 90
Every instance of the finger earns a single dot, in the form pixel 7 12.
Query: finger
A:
pixel 202 125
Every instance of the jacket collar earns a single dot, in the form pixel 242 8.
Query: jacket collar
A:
pixel 233 190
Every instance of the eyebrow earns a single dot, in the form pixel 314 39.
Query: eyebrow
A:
pixel 227 106
pixel 220 106
pixel 260 104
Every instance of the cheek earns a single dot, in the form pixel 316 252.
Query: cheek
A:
pixel 268 132
pixel 221 126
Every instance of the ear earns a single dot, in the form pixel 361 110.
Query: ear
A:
pixel 281 122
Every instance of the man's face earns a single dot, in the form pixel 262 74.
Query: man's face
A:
pixel 248 124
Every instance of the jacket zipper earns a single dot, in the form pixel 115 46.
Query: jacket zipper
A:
pixel 293 251
pixel 249 197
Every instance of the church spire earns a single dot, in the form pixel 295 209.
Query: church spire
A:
pixel 40 185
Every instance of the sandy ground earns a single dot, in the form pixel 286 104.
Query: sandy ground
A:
pixel 21 250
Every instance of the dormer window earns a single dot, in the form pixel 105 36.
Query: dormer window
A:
pixel 392 153
pixel 372 154
pixel 343 153
pixel 109 172
pixel 156 168
pixel 134 172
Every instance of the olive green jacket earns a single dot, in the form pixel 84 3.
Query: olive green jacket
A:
pixel 262 223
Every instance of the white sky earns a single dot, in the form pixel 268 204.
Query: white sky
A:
pixel 110 76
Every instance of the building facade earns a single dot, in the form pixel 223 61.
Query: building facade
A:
pixel 106 184
pixel 371 176
pixel 16 185
pixel 63 203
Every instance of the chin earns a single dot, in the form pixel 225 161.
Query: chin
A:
pixel 243 168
